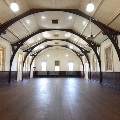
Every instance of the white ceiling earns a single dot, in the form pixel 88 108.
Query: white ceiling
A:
pixel 106 11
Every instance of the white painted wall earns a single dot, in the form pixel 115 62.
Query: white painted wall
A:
pixel 60 56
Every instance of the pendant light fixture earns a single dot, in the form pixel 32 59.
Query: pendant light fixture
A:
pixel 14 7
pixel 90 7
pixel 91 37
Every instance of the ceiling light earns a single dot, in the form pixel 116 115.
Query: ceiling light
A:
pixel 28 21
pixel 48 55
pixel 43 17
pixel 70 17
pixel 46 35
pixel 36 48
pixel 84 22
pixel 30 41
pixel 90 7
pixel 41 46
pixel 14 7
pixel 66 55
pixel 67 34
pixel 71 47
pixel 75 39
pixel 38 38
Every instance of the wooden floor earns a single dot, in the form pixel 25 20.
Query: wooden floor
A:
pixel 59 99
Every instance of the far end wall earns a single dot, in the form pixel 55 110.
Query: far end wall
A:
pixel 57 55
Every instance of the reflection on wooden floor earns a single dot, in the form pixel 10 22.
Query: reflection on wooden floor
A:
pixel 59 99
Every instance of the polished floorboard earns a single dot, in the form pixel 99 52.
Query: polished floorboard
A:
pixel 59 99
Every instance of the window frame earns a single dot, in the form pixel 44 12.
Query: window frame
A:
pixel 3 59
pixel 110 46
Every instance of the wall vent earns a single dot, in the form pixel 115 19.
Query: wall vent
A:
pixel 55 21
pixel 56 43
pixel 56 35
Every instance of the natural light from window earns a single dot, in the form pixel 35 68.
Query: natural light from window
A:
pixel 43 65
pixel 57 68
pixel 70 66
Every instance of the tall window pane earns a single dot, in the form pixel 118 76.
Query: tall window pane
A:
pixel 44 63
pixel 70 65
pixel 108 59
pixel 57 68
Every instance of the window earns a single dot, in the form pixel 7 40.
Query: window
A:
pixel 108 59
pixel 94 63
pixel 26 64
pixel 70 65
pixel 57 65
pixel 1 59
pixel 43 65
pixel 20 59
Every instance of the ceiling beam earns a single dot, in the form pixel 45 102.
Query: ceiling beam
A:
pixel 4 38
pixel 92 44
pixel 35 55
pixel 5 25
pixel 106 29
pixel 29 50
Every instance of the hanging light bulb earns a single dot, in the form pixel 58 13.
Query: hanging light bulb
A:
pixel 90 7
pixel 14 7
